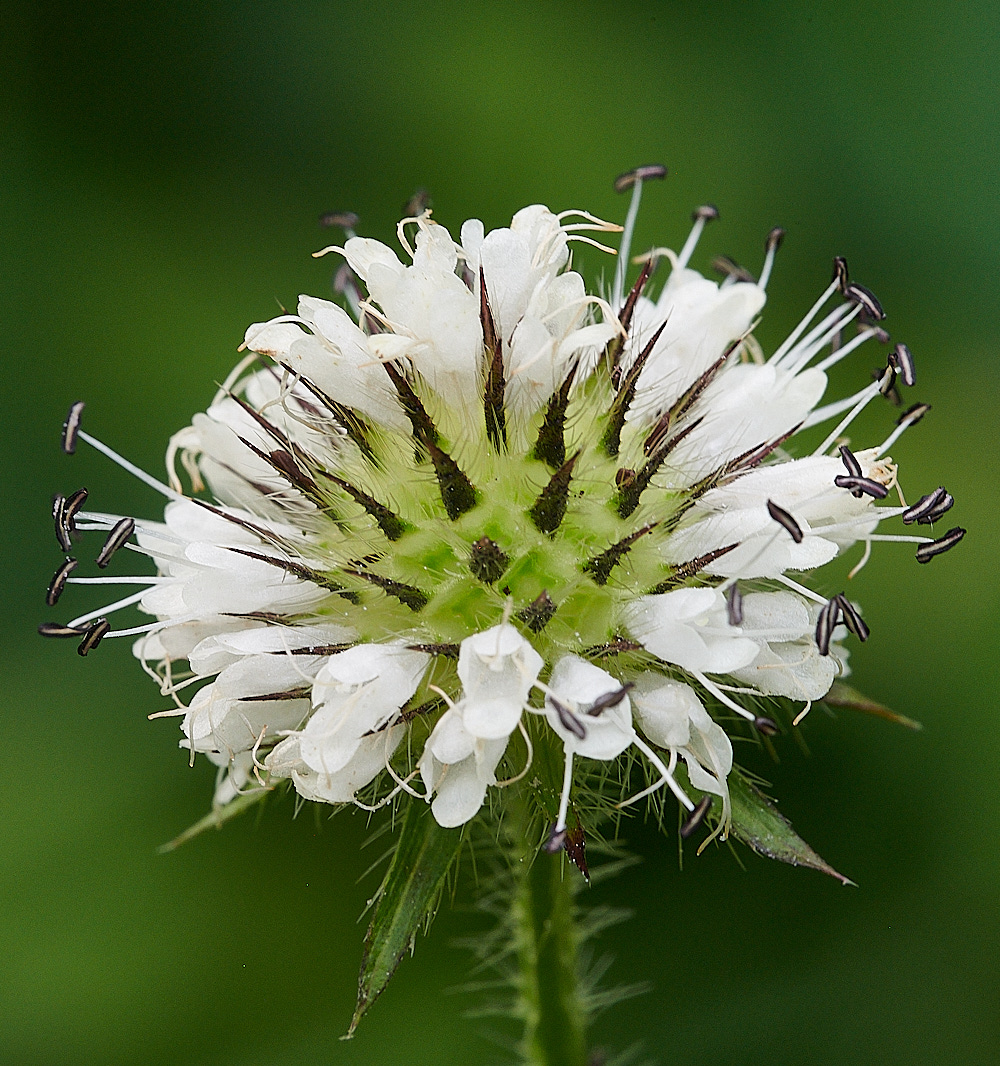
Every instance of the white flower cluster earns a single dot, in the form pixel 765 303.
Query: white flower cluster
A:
pixel 488 503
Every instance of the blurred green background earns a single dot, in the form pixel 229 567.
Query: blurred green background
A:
pixel 164 166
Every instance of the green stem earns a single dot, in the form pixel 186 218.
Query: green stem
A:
pixel 545 925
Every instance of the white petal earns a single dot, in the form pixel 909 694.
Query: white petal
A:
pixel 577 684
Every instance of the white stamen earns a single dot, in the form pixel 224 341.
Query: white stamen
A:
pixel 765 273
pixel 147 479
pixel 810 315
pixel 564 797
pixel 116 606
pixel 834 357
pixel 618 288
pixel 721 696
pixel 866 396
pixel 691 243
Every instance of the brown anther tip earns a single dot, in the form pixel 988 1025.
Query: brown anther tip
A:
pixel 862 295
pixel 765 726
pixel 343 219
pixel 723 264
pixel 417 204
pixel 926 552
pixel 840 274
pixel 556 840
pixel 902 359
pixel 71 427
pixel 879 334
pixel 696 817
pixel 647 172
pixel 774 238
pixel 913 414
pixel 709 212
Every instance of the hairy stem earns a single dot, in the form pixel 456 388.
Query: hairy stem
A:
pixel 545 926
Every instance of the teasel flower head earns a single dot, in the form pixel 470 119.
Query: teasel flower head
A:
pixel 473 508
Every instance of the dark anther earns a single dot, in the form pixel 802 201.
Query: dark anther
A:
pixel 74 501
pixel 774 238
pixel 767 727
pixel 829 615
pixel 734 605
pixel 417 204
pixel 610 699
pixel 556 840
pixel 946 504
pixel 570 722
pixel 729 268
pixel 611 441
pixel 853 466
pixel 449 651
pixel 696 817
pixel 625 181
pixel 785 520
pixel 926 552
pixel 840 274
pixel 854 622
pixel 709 212
pixel 408 595
pixel 550 447
pixel 54 629
pixel 860 486
pixel 95 633
pixel 548 511
pixel 877 333
pixel 600 566
pixel 624 476
pixel 388 521
pixel 59 519
pixel 487 560
pixel 120 533
pixel 496 419
pixel 902 359
pixel 71 427
pixel 58 582
pixel 538 613
pixel 343 219
pixel 870 306
pixel 912 415
pixel 926 504
pixel 886 382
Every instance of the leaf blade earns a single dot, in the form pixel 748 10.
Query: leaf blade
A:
pixel 423 856
pixel 841 695
pixel 759 824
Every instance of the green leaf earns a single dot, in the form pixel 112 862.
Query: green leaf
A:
pixel 841 695
pixel 758 823
pixel 217 818
pixel 406 899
